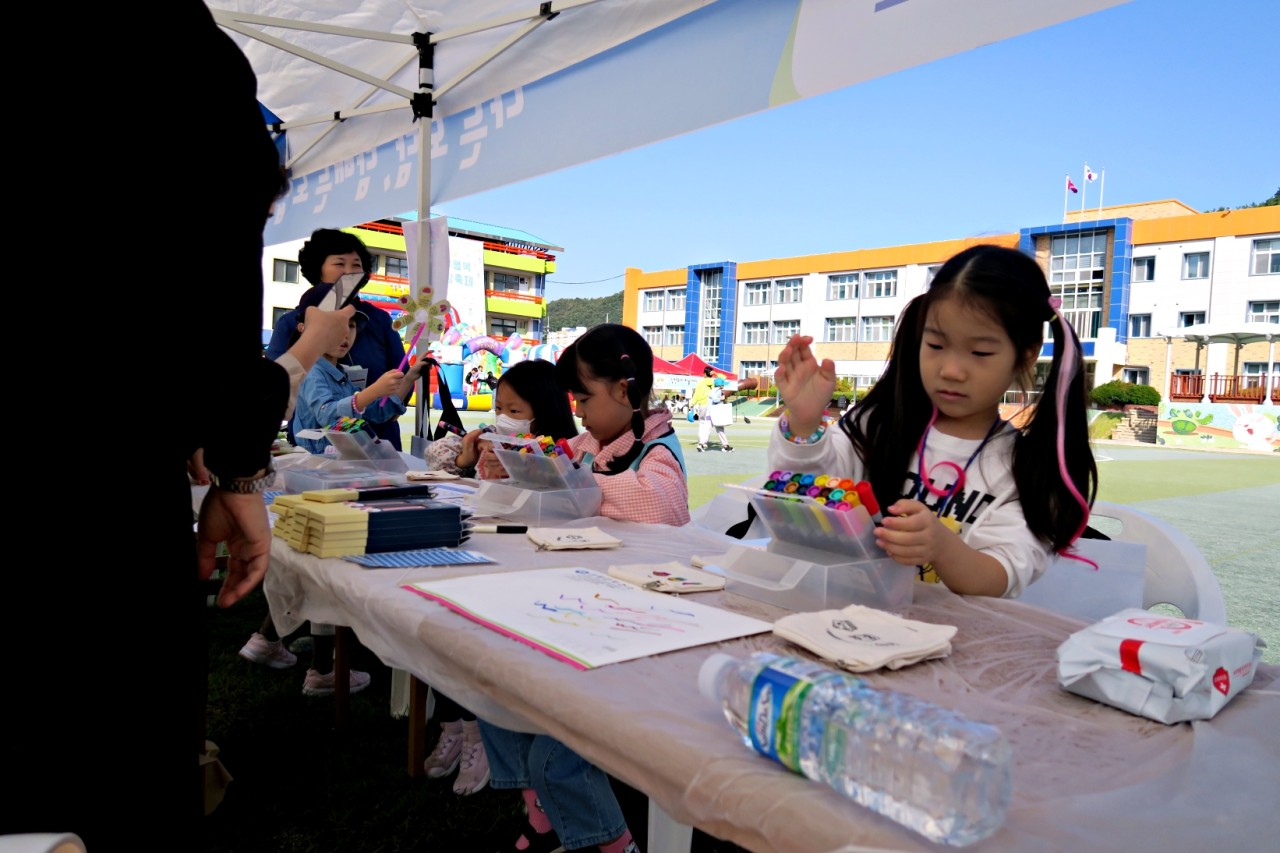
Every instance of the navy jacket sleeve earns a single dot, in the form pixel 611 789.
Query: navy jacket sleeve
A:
pixel 235 398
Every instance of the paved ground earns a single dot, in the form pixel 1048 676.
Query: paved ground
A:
pixel 1227 503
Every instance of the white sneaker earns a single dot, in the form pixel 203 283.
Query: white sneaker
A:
pixel 273 654
pixel 316 684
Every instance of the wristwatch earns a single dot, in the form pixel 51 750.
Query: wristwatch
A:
pixel 244 485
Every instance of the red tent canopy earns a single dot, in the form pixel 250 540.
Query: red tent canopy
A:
pixel 693 365
pixel 661 365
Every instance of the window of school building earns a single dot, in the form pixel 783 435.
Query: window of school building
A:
pixel 1077 268
pixel 843 286
pixel 1264 312
pixel 286 271
pixel 1266 257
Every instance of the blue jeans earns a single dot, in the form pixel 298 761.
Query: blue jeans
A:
pixel 574 793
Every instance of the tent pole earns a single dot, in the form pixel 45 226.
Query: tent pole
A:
pixel 423 109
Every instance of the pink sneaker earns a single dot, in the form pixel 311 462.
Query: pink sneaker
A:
pixel 444 759
pixel 316 684
pixel 273 654
pixel 474 773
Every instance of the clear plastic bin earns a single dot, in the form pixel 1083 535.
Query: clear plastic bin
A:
pixel 539 490
pixel 339 474
pixel 535 507
pixel 817 559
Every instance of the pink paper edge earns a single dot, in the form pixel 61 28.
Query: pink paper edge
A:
pixel 456 608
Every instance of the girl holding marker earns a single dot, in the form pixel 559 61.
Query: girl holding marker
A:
pixel 638 465
pixel 979 501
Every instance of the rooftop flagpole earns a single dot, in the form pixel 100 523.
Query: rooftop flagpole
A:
pixel 1102 186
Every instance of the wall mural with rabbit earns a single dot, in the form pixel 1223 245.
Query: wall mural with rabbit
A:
pixel 1223 425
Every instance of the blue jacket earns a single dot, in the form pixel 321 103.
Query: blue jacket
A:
pixel 326 395
pixel 378 348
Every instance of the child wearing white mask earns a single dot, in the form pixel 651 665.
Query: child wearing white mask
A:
pixel 527 400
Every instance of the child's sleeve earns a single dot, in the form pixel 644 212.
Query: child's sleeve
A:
pixel 329 410
pixel 654 493
pixel 384 409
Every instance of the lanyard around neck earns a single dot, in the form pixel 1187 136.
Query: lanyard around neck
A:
pixel 948 493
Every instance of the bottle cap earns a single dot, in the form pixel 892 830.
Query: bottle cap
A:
pixel 710 673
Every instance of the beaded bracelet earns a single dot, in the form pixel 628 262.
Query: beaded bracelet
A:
pixel 355 407
pixel 784 424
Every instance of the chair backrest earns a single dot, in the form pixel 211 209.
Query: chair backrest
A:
pixel 729 508
pixel 1176 572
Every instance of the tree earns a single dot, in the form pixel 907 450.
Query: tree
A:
pixel 1271 202
pixel 571 313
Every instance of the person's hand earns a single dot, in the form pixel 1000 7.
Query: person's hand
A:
pixel 913 535
pixel 489 467
pixel 805 384
pixel 387 384
pixel 196 470
pixel 405 389
pixel 325 330
pixel 469 456
pixel 241 522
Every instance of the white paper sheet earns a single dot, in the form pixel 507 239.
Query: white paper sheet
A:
pixel 586 618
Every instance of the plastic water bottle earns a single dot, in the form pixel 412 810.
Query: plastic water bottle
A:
pixel 930 769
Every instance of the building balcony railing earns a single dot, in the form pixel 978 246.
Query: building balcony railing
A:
pixel 1222 388
pixel 514 295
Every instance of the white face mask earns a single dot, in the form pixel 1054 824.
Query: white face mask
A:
pixel 507 425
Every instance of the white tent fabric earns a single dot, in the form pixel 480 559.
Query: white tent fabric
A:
pixel 522 88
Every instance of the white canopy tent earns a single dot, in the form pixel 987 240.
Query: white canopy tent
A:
pixel 496 91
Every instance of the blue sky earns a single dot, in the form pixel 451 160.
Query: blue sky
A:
pixel 1173 98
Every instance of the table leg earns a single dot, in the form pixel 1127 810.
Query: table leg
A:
pixel 341 676
pixel 665 835
pixel 417 727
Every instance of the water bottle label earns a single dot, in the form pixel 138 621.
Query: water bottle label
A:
pixel 775 700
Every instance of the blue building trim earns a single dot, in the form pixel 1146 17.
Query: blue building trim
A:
pixel 1120 284
pixel 693 301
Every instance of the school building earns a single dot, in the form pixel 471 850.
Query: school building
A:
pixel 1158 293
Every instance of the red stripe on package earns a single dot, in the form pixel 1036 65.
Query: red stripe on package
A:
pixel 1129 656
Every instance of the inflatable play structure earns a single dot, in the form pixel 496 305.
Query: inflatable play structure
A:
pixel 468 358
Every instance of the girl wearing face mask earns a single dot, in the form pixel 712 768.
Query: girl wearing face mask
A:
pixel 527 400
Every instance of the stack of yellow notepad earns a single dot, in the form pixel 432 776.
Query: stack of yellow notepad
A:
pixel 359 527
pixel 323 529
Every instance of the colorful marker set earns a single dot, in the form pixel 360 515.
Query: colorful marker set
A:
pixel 548 445
pixel 830 490
pixel 345 424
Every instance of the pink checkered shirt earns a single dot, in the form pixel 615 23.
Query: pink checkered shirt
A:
pixel 656 493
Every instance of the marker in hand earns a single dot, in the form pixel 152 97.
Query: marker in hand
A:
pixel 868 498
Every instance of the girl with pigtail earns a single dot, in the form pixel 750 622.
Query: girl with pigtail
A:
pixel 975 502
pixel 635 454
pixel 637 462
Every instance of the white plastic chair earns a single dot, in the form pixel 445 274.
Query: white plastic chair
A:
pixel 728 508
pixel 1176 572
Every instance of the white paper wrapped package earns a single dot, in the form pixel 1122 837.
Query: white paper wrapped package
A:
pixel 1168 669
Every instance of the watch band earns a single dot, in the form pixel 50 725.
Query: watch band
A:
pixel 243 485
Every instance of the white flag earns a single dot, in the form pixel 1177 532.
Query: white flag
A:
pixel 1089 175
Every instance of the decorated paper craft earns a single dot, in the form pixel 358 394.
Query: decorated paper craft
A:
pixel 584 618
pixel 566 539
pixel 668 577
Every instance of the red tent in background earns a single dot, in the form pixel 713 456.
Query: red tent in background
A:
pixel 693 365
pixel 661 365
